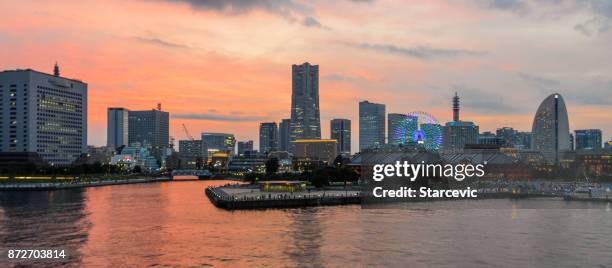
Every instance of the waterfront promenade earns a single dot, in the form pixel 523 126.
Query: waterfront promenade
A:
pixel 43 186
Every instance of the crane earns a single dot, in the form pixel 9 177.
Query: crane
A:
pixel 187 133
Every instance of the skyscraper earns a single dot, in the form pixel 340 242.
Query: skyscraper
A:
pixel 341 132
pixel 551 128
pixel 305 116
pixel 283 134
pixel 457 134
pixel 371 125
pixel 268 137
pixel 245 146
pixel 149 127
pixel 117 127
pixel 394 122
pixel 588 139
pixel 44 114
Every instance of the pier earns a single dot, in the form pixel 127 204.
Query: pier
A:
pixel 233 197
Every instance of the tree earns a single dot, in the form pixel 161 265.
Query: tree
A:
pixel 137 169
pixel 338 163
pixel 320 178
pixel 272 166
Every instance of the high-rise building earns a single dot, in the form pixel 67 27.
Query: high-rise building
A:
pixel 268 137
pixel 457 134
pixel 608 144
pixel 588 139
pixel 508 136
pixel 117 127
pixel 316 149
pixel 371 125
pixel 191 153
pixel 244 147
pixel 305 116
pixel 394 125
pixel 218 142
pixel 283 134
pixel 149 127
pixel 551 128
pixel 43 113
pixel 341 132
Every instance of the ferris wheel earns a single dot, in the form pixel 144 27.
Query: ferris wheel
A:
pixel 421 129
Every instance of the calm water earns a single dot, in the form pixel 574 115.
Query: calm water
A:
pixel 173 224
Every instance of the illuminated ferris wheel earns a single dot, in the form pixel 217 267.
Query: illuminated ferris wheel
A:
pixel 421 129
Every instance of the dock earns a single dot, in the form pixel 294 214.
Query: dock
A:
pixel 222 199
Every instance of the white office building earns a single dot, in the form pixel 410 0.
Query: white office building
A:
pixel 43 113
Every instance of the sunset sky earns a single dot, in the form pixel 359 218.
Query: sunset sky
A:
pixel 225 66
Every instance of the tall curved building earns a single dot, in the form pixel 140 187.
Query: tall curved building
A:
pixel 551 128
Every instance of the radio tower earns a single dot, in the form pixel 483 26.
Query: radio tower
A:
pixel 456 107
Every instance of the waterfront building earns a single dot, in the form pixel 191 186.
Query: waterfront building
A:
pixel 117 127
pixel 456 134
pixel 488 138
pixel 551 128
pixel 596 163
pixel 268 137
pixel 394 125
pixel 305 116
pixel 285 160
pixel 283 134
pixel 247 163
pixel 588 139
pixel 244 147
pixel 371 125
pixel 341 132
pixel 191 154
pixel 319 150
pixel 102 155
pixel 44 114
pixel 136 154
pixel 508 136
pixel 150 127
pixel 218 142
pixel 523 140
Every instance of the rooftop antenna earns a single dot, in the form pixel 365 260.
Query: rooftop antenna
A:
pixel 56 71
pixel 456 107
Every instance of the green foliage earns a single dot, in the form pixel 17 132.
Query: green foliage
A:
pixel 272 166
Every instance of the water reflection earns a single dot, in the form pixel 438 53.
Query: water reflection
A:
pixel 173 224
pixel 45 220
pixel 306 235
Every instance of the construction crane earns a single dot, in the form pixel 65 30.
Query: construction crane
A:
pixel 187 133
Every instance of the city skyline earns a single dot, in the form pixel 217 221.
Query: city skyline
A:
pixel 137 61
